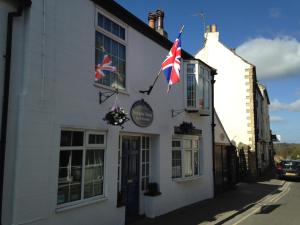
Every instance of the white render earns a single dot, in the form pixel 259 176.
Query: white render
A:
pixel 52 88
pixel 221 136
pixel 230 87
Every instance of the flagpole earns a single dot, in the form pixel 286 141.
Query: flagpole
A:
pixel 151 87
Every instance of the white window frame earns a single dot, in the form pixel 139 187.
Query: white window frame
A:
pixel 182 149
pixel 84 148
pixel 115 38
pixel 199 90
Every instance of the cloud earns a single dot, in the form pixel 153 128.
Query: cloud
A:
pixel 276 119
pixel 298 92
pixel 273 58
pixel 274 12
pixel 279 106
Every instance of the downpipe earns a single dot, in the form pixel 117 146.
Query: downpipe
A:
pixel 6 88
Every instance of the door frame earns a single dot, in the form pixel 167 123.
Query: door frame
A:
pixel 140 135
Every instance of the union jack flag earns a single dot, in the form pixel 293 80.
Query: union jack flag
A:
pixel 171 65
pixel 104 68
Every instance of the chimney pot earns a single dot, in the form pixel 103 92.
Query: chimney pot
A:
pixel 160 18
pixel 152 19
pixel 211 28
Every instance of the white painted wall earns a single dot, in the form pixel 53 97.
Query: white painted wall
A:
pixel 230 87
pixel 53 88
pixel 221 136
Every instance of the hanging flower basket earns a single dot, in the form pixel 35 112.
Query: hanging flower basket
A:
pixel 116 116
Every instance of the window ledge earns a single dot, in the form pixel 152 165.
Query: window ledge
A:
pixel 120 91
pixel 186 179
pixel 79 204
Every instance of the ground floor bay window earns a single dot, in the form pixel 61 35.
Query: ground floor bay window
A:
pixel 81 166
pixel 185 156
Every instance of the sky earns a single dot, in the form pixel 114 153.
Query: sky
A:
pixel 264 32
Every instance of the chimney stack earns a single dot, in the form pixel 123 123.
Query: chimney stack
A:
pixel 211 33
pixel 156 21
pixel 151 19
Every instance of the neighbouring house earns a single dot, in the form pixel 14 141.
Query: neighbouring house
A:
pixel 64 164
pixel 236 92
pixel 264 142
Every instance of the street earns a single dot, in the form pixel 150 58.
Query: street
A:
pixel 280 208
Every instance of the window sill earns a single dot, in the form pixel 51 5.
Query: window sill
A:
pixel 120 91
pixel 202 112
pixel 79 204
pixel 186 179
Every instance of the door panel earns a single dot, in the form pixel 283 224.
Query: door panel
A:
pixel 130 175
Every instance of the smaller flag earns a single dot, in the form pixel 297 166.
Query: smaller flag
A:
pixel 171 65
pixel 104 68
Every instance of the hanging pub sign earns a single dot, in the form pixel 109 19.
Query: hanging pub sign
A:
pixel 141 113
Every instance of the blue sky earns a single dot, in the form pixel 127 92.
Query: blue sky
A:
pixel 266 33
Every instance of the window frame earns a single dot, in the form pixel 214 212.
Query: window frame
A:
pixel 115 38
pixel 84 148
pixel 201 81
pixel 183 149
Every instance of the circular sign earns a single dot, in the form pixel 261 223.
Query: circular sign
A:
pixel 141 113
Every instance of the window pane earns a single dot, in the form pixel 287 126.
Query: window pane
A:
pixel 64 158
pixel 69 179
pixel 122 33
pixel 175 143
pixel 143 143
pixel 94 171
pixel 176 163
pixel 63 194
pixel 188 166
pixel 122 52
pixel 115 29
pixel 100 20
pixel 147 142
pixel 206 94
pixel 191 90
pixel 107 24
pixel 77 139
pixel 65 138
pixel 191 68
pixel 75 192
pixel 96 139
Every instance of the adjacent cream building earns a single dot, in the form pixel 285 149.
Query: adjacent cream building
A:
pixel 235 96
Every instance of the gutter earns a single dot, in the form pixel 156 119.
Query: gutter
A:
pixel 23 4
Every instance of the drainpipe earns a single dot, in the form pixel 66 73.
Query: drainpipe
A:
pixel 9 33
pixel 213 73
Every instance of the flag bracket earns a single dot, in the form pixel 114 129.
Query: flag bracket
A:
pixel 103 96
pixel 176 112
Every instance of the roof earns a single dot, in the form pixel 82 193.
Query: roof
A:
pixel 130 19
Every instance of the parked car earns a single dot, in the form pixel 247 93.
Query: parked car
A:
pixel 288 169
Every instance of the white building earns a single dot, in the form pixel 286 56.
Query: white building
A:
pixel 235 95
pixel 63 163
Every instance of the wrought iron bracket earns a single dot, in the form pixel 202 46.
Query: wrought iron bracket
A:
pixel 176 112
pixel 103 96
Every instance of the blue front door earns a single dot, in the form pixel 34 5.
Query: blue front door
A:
pixel 131 146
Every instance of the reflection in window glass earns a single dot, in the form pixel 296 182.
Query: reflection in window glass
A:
pixel 72 167
pixel 107 46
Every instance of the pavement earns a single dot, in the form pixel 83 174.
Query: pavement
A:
pixel 225 207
